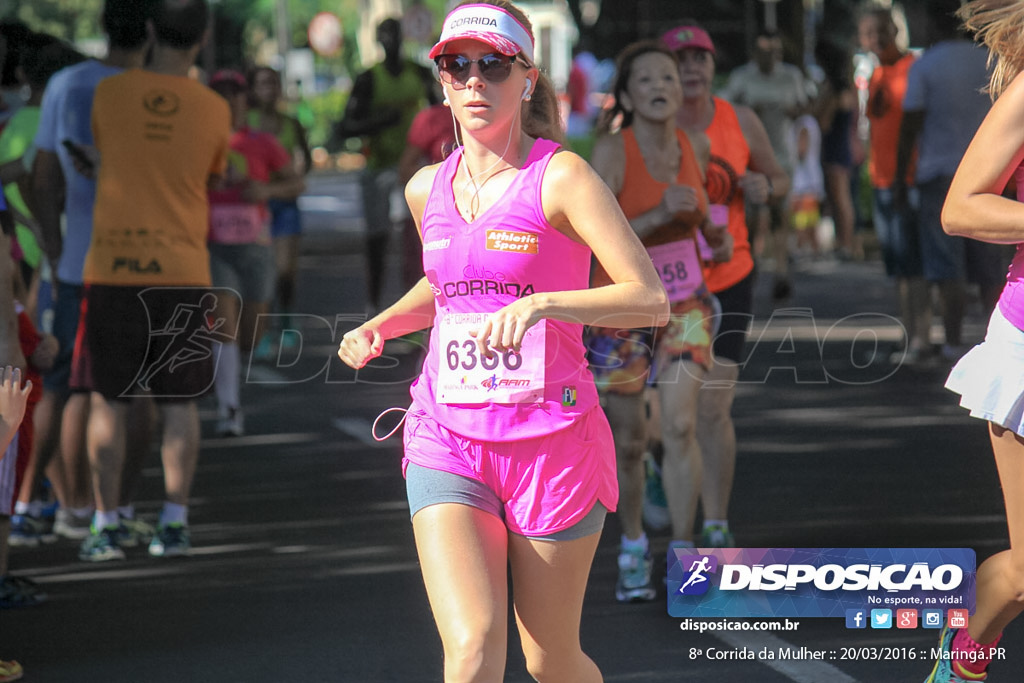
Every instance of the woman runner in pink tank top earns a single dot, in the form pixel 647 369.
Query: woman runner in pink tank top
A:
pixel 990 377
pixel 508 457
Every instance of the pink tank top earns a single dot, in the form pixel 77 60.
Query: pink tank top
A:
pixel 1011 301
pixel 508 252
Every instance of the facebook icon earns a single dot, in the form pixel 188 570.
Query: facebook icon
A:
pixel 856 618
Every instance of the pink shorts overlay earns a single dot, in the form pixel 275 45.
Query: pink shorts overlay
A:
pixel 546 484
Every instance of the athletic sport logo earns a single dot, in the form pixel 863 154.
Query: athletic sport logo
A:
pixel 696 580
pixel 512 241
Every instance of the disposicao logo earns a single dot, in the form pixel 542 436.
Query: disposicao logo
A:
pixel 696 581
pixel 815 582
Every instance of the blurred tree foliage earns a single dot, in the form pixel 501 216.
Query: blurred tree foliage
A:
pixel 67 19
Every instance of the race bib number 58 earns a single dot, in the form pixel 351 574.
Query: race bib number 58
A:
pixel 467 376
pixel 679 267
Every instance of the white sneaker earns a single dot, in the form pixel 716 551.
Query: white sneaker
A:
pixel 231 423
pixel 68 525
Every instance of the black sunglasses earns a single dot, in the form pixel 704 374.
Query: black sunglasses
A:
pixel 454 69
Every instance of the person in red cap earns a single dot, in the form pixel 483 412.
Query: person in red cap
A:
pixel 742 168
pixel 509 460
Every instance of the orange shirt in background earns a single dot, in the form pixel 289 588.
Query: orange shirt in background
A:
pixel 730 156
pixel 640 192
pixel 886 88
pixel 160 138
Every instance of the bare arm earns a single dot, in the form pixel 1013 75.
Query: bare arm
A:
pixel 773 182
pixel 974 206
pixel 910 128
pixel 414 311
pixel 48 193
pixel 284 184
pixel 303 145
pixel 578 203
pixel 358 119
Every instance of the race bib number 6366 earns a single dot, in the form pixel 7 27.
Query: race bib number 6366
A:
pixel 467 376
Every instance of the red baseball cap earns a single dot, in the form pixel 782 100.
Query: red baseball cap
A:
pixel 228 76
pixel 683 37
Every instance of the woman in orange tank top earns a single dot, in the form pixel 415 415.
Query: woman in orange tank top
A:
pixel 743 167
pixel 651 167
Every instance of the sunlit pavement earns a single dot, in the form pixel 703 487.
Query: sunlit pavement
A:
pixel 304 569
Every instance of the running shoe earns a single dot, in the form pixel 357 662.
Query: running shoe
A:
pixel 171 540
pixel 28 531
pixel 656 515
pixel 102 545
pixel 717 536
pixel 264 350
pixel 135 532
pixel 17 591
pixel 70 526
pixel 943 671
pixel 10 671
pixel 634 584
pixel 231 422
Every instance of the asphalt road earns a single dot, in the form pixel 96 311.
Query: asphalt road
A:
pixel 304 568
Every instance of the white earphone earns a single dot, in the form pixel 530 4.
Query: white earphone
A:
pixel 526 90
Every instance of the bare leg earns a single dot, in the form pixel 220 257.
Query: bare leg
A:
pixel 105 442
pixel 916 312
pixel 837 183
pixel 73 450
pixel 717 436
pixel 180 449
pixel 626 417
pixel 682 471
pixel 5 531
pixel 463 554
pixel 1000 592
pixel 140 431
pixel 286 256
pixel 549 579
pixel 47 440
pixel 954 303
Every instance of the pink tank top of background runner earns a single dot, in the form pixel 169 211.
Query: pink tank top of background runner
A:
pixel 508 252
pixel 1011 301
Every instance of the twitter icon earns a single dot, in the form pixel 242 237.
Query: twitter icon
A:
pixel 881 618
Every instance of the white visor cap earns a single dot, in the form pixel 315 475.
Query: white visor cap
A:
pixel 488 24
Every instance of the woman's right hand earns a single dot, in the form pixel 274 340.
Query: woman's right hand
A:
pixel 361 345
pixel 680 199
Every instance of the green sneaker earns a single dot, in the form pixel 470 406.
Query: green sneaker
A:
pixel 946 669
pixel 171 540
pixel 135 532
pixel 101 545
pixel 717 536
pixel 634 584
pixel 656 515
